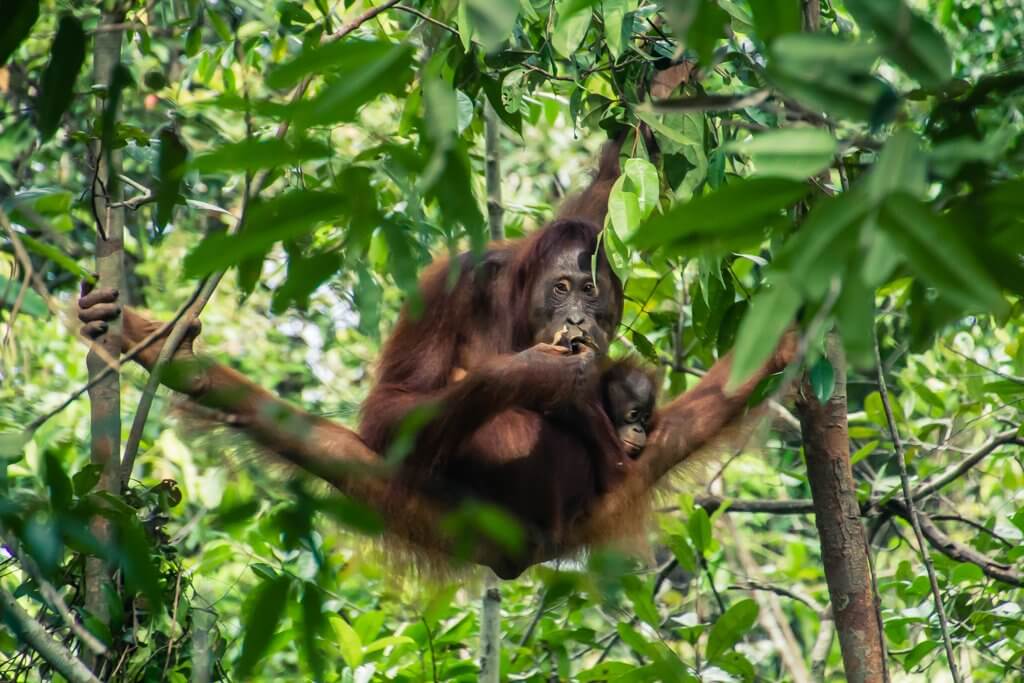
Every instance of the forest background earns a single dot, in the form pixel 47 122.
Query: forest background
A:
pixel 859 162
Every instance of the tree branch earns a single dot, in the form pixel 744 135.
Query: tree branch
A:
pixel 928 488
pixel 35 635
pixel 915 521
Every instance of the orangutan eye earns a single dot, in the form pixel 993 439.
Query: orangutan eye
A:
pixel 561 287
pixel 590 289
pixel 632 416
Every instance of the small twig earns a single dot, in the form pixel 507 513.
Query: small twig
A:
pixel 360 20
pixel 427 18
pixel 915 520
pixel 36 636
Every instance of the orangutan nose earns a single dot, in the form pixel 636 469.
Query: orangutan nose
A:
pixel 575 318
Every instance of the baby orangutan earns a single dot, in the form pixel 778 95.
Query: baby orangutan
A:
pixel 628 394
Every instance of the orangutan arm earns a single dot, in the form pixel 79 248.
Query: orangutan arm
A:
pixel 695 418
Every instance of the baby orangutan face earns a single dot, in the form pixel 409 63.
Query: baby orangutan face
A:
pixel 629 397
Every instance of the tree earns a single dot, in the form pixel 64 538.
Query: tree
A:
pixel 865 175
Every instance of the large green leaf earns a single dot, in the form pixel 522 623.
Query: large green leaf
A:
pixel 19 15
pixel 345 56
pixel 772 310
pixel 264 616
pixel 251 155
pixel 827 239
pixel 570 26
pixel 773 18
pixel 739 209
pixel 700 23
pixel 281 218
pixel 829 74
pixel 32 304
pixel 910 41
pixel 57 85
pixel 488 21
pixel 730 628
pixel 613 12
pixel 940 252
pixel 796 153
pixel 352 87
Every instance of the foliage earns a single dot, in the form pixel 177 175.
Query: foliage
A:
pixel 867 176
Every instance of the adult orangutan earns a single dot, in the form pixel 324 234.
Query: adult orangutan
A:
pixel 523 426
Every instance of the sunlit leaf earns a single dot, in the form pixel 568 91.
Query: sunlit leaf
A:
pixel 573 20
pixel 251 155
pixel 613 12
pixel 31 303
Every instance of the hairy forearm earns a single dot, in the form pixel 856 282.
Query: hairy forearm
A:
pixel 690 422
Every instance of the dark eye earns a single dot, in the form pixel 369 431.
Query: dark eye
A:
pixel 632 416
pixel 561 287
pixel 590 289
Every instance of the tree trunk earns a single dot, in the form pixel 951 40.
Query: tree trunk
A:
pixel 490 632
pixel 105 397
pixel 492 157
pixel 843 544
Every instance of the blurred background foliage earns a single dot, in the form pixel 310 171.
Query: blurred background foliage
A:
pixel 868 175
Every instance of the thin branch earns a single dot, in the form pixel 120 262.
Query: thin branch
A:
pixel 51 594
pixel 360 20
pixel 427 18
pixel 36 636
pixel 961 468
pixel 915 520
pixel 174 339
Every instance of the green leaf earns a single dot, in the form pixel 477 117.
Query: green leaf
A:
pixel 348 642
pixel 283 217
pixel 19 16
pixel 901 167
pixel 31 303
pixel 57 84
pixel 86 478
pixel 12 444
pixel 623 209
pixel 772 310
pixel 639 594
pixel 344 56
pixel 641 178
pixel 823 379
pixel 261 623
pixel 570 26
pixel 251 155
pixel 313 621
pixel 140 572
pixel 739 209
pixel 489 21
pixel 305 275
pixel 613 12
pixel 773 18
pixel 57 482
pixel 863 452
pixel 730 628
pixel 343 95
pixel 700 22
pixel 940 252
pixel 795 153
pixel 826 241
pixel 170 173
pixel 909 39
pixel 828 74
pixel 699 526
